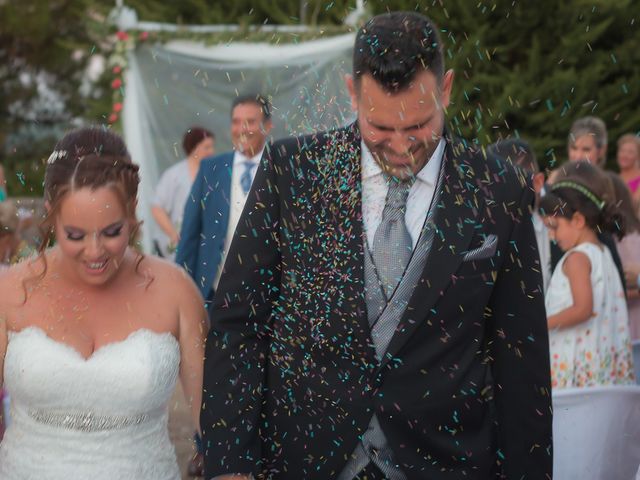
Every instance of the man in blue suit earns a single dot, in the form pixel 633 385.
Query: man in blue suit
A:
pixel 216 201
pixel 219 192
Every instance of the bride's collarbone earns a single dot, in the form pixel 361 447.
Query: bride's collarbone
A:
pixel 93 318
pixel 87 334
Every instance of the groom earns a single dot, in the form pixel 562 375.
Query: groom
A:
pixel 380 313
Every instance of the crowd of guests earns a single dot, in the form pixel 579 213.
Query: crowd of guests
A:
pixel 586 219
pixel 587 227
pixel 592 297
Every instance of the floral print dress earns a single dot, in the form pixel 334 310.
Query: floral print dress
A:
pixel 598 351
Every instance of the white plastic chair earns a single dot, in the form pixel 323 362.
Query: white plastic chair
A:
pixel 596 433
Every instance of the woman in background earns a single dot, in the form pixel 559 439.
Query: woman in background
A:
pixel 628 158
pixel 629 249
pixel 174 187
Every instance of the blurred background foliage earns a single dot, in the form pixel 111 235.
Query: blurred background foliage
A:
pixel 523 69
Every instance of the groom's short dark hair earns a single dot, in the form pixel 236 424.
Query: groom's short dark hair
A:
pixel 394 47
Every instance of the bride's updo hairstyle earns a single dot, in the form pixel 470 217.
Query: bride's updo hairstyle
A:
pixel 90 157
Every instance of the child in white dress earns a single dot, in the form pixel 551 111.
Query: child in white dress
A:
pixel 586 307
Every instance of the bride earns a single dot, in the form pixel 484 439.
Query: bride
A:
pixel 93 335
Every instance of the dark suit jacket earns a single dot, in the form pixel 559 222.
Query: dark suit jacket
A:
pixel 205 221
pixel 291 379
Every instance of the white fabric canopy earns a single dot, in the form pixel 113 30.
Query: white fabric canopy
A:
pixel 173 86
pixel 596 433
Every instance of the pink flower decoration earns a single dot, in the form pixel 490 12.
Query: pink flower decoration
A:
pixel 122 36
pixel 117 83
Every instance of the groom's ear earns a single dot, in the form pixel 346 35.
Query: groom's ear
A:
pixel 351 88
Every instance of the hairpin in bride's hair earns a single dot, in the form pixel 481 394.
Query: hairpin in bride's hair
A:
pixel 55 155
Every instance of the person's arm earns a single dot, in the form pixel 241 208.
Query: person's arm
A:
pixel 632 278
pixel 164 222
pixel 8 283
pixel 518 346
pixel 3 347
pixel 193 328
pixel 161 202
pixel 187 251
pixel 607 240
pixel 635 197
pixel 577 268
pixel 237 347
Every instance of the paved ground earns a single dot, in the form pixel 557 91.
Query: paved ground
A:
pixel 180 430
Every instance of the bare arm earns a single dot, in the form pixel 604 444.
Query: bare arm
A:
pixel 5 287
pixel 193 332
pixel 577 268
pixel 631 273
pixel 633 294
pixel 3 347
pixel 164 222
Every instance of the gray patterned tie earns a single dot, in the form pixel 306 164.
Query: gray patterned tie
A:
pixel 392 247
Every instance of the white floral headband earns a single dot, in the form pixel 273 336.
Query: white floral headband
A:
pixel 56 155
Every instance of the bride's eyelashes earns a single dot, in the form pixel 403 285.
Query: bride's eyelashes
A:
pixel 112 231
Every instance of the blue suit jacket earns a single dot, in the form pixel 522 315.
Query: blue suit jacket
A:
pixel 205 222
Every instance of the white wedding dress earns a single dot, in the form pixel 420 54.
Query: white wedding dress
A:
pixel 99 418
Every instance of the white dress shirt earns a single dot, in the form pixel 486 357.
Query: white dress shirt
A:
pixel 544 248
pixel 236 201
pixel 375 188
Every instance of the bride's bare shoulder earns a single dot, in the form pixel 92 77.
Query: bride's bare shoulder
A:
pixel 163 274
pixel 17 280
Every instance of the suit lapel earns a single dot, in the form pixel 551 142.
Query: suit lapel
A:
pixel 341 193
pixel 216 209
pixel 219 190
pixel 453 223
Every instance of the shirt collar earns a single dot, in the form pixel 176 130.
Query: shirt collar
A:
pixel 239 157
pixel 428 174
pixel 538 223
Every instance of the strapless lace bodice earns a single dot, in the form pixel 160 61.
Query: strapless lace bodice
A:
pixel 104 417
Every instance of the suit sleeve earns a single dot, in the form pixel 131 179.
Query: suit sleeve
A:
pixel 187 251
pixel 519 350
pixel 237 344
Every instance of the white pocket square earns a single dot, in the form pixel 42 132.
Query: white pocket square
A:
pixel 486 250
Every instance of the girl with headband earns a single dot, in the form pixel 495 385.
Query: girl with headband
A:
pixel 586 309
